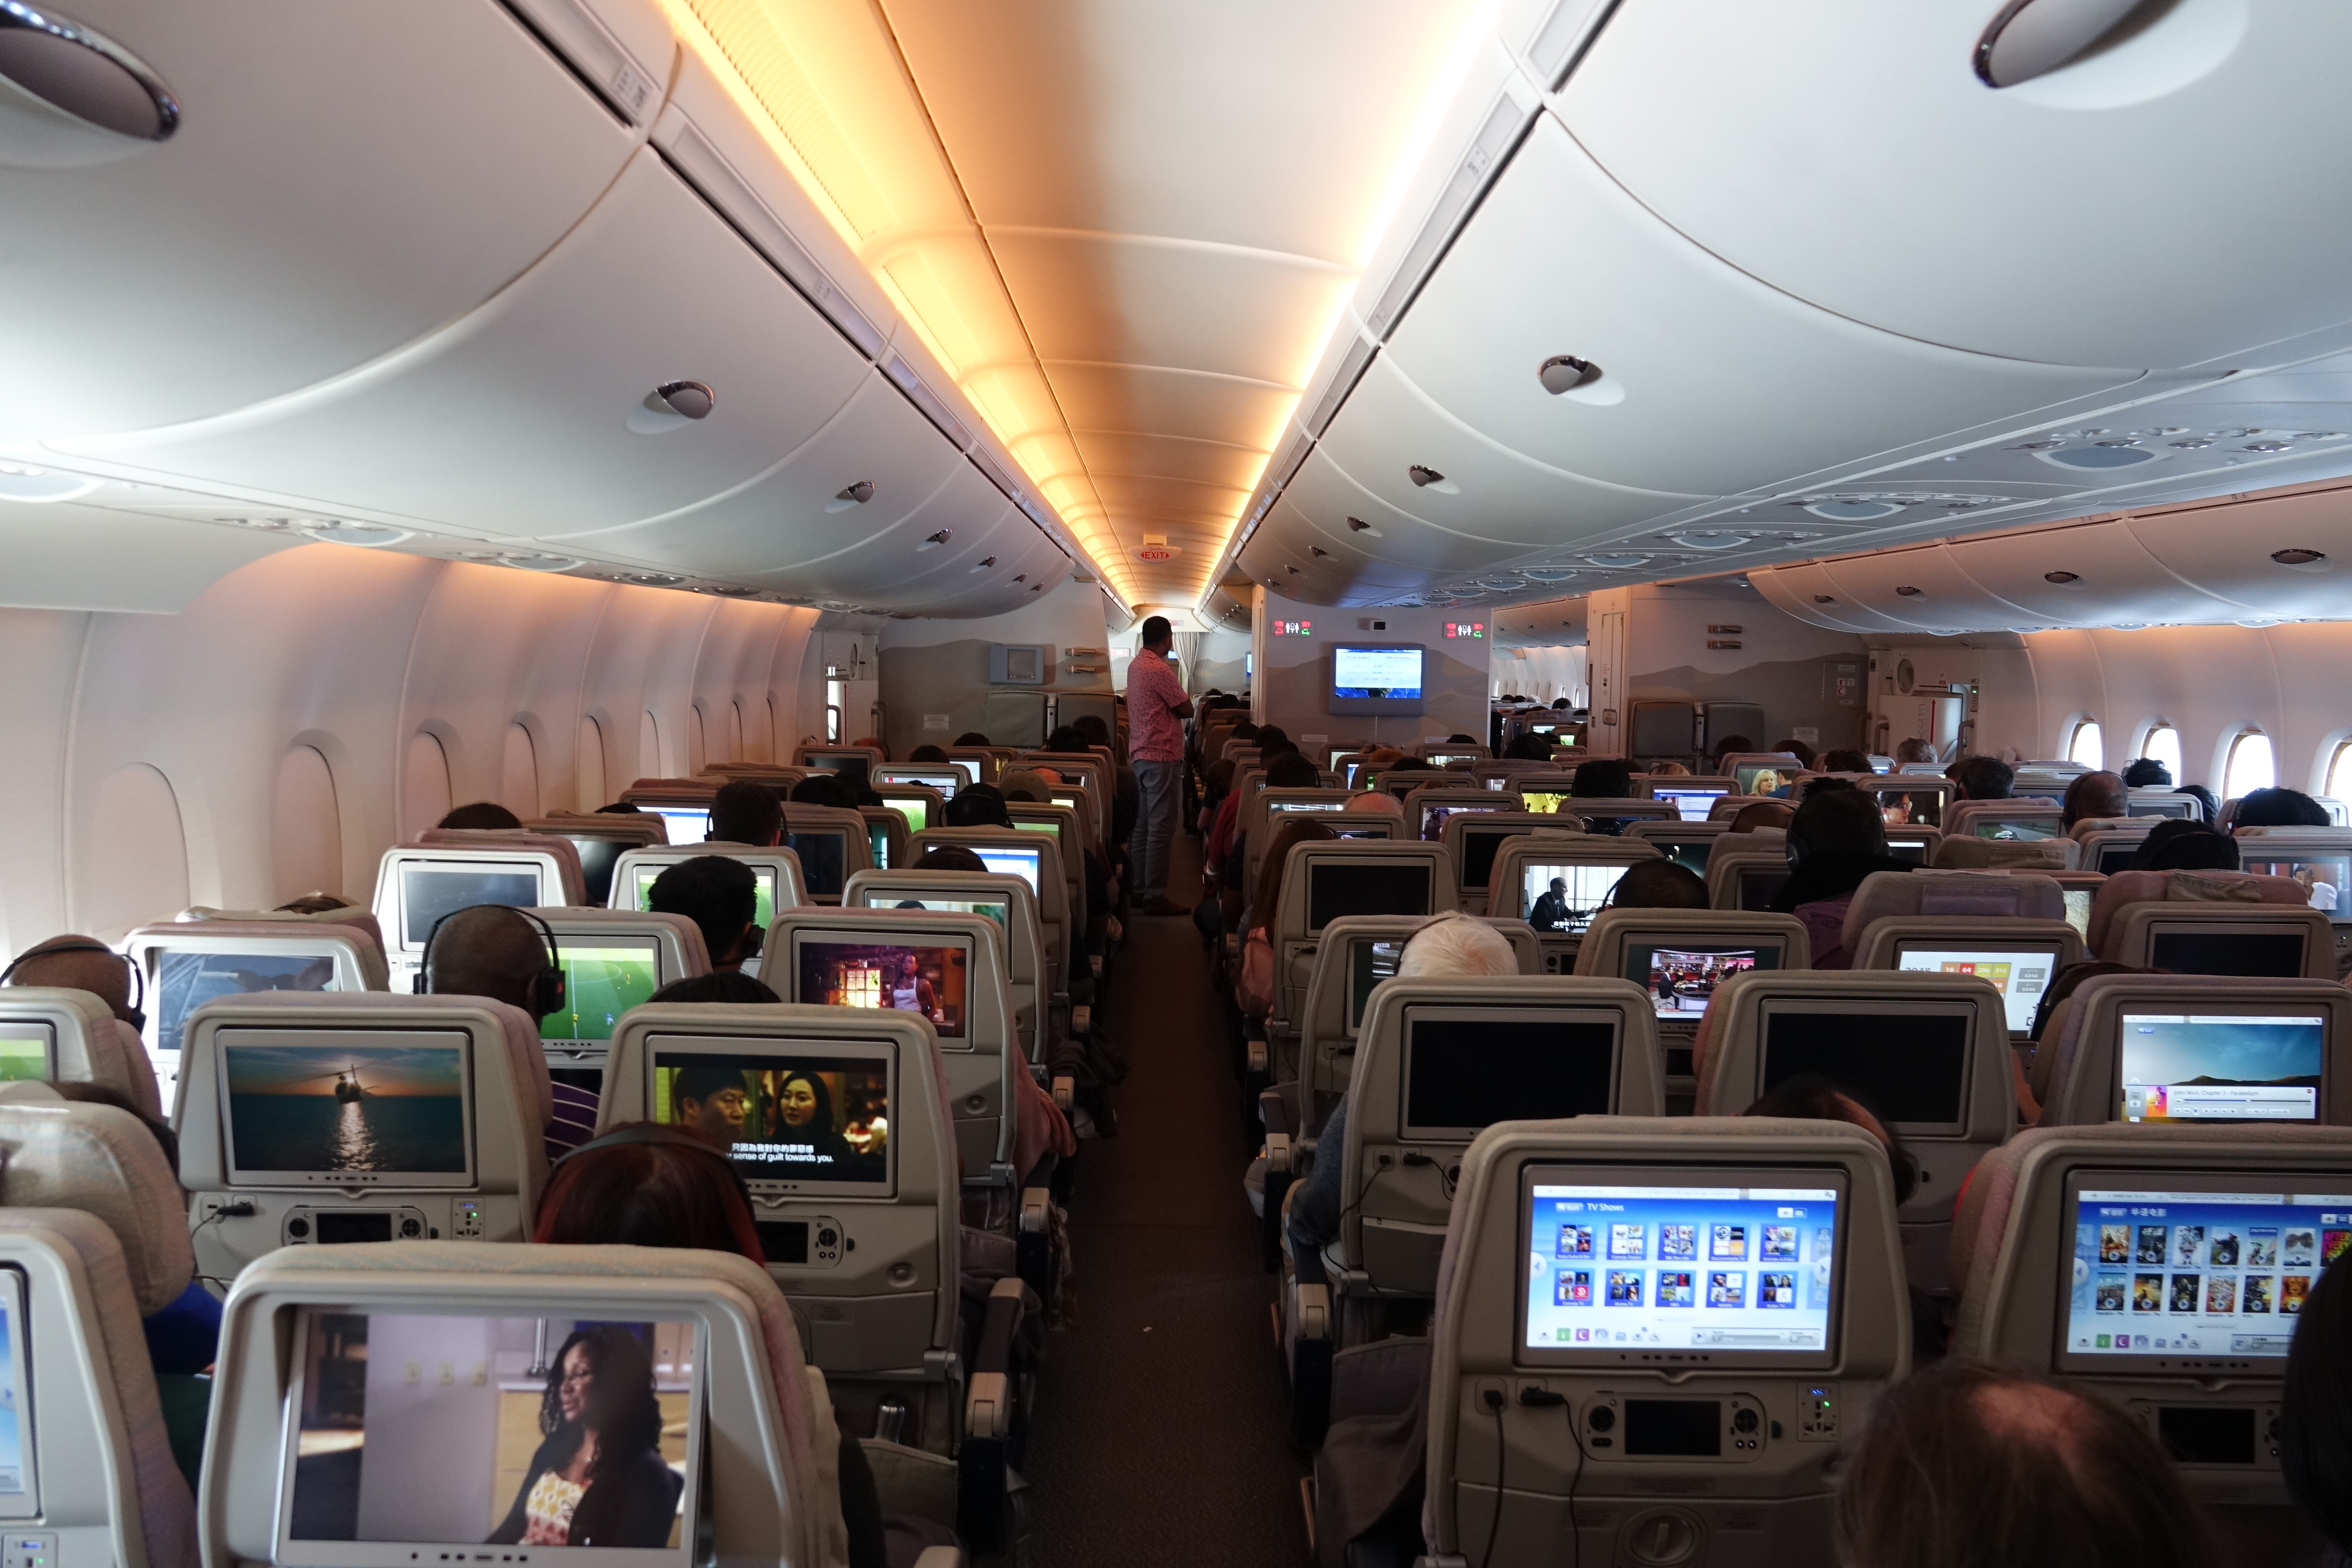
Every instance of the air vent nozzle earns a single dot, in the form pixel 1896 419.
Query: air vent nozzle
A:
pixel 2062 578
pixel 688 399
pixel 1566 373
pixel 94 86
pixel 2298 557
pixel 2029 39
pixel 849 496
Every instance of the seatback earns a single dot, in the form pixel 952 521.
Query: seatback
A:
pixel 1069 844
pixel 1919 846
pixel 1732 805
pixel 106 1163
pixel 1321 882
pixel 188 963
pixel 1927 1054
pixel 831 842
pixel 1687 844
pixel 2318 859
pixel 613 960
pixel 2211 922
pixel 2108 844
pixel 1357 952
pixel 344 918
pixel 1052 894
pixel 1746 871
pixel 1680 957
pixel 1259 815
pixel 2009 929
pixel 600 839
pixel 778 869
pixel 1611 816
pixel 1918 799
pixel 980 756
pixel 566 853
pixel 1428 806
pixel 1965 852
pixel 943 778
pixel 1474 837
pixel 459 1149
pixel 2206 1239
pixel 863 1248
pixel 2155 1048
pixel 327 1335
pixel 2019 821
pixel 838 958
pixel 1742 1442
pixel 417 884
pixel 1023 932
pixel 1587 864
pixel 1439 1060
pixel 55 1031
pixel 2164 802
pixel 829 758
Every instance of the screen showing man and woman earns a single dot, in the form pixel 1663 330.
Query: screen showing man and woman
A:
pixel 1912 808
pixel 1682 1265
pixel 301 1114
pixel 1392 673
pixel 2156 1269
pixel 781 1117
pixel 492 1432
pixel 19 1497
pixel 682 824
pixel 929 979
pixel 1564 898
pixel 186 981
pixel 2324 876
pixel 429 891
pixel 1907 1068
pixel 822 852
pixel 1762 778
pixel 763 891
pixel 1690 805
pixel 2020 977
pixel 1469 1067
pixel 603 977
pixel 2186 1067
pixel 1007 862
pixel 1682 980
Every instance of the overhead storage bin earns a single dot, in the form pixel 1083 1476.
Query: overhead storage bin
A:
pixel 441 151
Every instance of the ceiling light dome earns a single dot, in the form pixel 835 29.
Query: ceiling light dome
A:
pixel 19 482
pixel 849 496
pixel 80 99
pixel 1619 561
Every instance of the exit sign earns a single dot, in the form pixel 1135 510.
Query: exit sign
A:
pixel 1294 628
pixel 1465 628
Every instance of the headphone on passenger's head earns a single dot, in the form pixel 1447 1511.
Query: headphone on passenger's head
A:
pixel 546 986
pixel 136 1006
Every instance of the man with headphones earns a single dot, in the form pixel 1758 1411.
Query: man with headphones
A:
pixel 509 955
pixel 81 964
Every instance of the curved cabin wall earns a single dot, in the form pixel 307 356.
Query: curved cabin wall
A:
pixel 307 708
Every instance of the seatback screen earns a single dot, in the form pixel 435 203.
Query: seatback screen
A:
pixel 1370 962
pixel 822 852
pixel 1336 888
pixel 1564 898
pixel 932 977
pixel 763 888
pixel 1763 778
pixel 786 1114
pixel 1433 817
pixel 2324 876
pixel 1690 805
pixel 2190 1066
pixel 997 910
pixel 603 977
pixel 597 858
pixel 2020 976
pixel 2184 1267
pixel 186 981
pixel 1011 862
pixel 2247 953
pixel 430 891
pixel 2017 830
pixel 682 824
pixel 1759 885
pixel 1682 980
pixel 20 1492
pixel 1468 1067
pixel 912 809
pixel 364 1108
pixel 518 1401
pixel 1908 1065
pixel 28 1049
pixel 1742 1265
pixel 944 780
pixel 1478 847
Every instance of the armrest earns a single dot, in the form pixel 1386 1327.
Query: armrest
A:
pixel 940 1557
pixel 1308 1317
pixel 1065 1088
pixel 1082 1019
pixel 1033 1231
pixel 988 1397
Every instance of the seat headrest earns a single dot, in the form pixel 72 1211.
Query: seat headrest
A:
pixel 359 923
pixel 1903 893
pixel 106 1163
pixel 1962 853
pixel 2185 887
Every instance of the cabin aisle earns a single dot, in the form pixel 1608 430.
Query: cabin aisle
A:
pixel 1161 1418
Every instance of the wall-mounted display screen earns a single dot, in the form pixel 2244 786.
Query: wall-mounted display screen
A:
pixel 1377 679
pixel 1624 1263
pixel 2191 1067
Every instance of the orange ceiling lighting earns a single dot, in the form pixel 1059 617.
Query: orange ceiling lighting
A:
pixel 1127 231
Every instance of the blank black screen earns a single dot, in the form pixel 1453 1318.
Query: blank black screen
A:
pixel 1472 1073
pixel 784 1240
pixel 1478 857
pixel 821 856
pixel 2203 1435
pixel 597 858
pixel 1334 890
pixel 342 1230
pixel 1758 888
pixel 2232 952
pixel 1681 1428
pixel 1906 1066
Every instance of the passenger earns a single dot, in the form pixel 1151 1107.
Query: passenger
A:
pixel 1603 778
pixel 1529 747
pixel 978 805
pixel 2203 797
pixel 1982 778
pixel 2280 808
pixel 721 896
pixel 823 789
pixel 730 985
pixel 2195 848
pixel 481 814
pixel 2315 1413
pixel 949 857
pixel 747 813
pixel 1975 1467
pixel 78 963
pixel 1156 707
pixel 1914 752
pixel 651 1187
pixel 1451 944
pixel 1809 1096
pixel 2096 796
pixel 489 950
pixel 1254 984
pixel 1797 749
pixel 972 738
pixel 1374 802
pixel 1729 745
pixel 1843 760
pixel 1836 839
pixel 314 904
pixel 1762 814
pixel 873 743
pixel 928 755
pixel 1659 884
pixel 2147 773
pixel 1669 770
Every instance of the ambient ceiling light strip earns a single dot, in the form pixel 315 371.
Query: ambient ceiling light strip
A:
pixel 827 89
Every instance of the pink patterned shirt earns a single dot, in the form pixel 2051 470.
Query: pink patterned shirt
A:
pixel 1154 733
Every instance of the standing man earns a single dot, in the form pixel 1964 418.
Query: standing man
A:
pixel 1155 743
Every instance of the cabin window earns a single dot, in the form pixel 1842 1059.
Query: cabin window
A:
pixel 2251 766
pixel 2085 746
pixel 2339 771
pixel 2163 745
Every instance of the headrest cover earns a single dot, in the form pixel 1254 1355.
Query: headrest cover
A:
pixel 106 1163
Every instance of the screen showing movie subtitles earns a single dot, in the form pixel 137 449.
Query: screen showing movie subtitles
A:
pixel 781 1118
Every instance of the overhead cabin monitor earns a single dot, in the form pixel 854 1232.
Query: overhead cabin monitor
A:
pixel 2241 1065
pixel 944 777
pixel 2021 970
pixel 2177 1271
pixel 930 976
pixel 354 1491
pixel 1365 885
pixel 1624 1262
pixel 1907 1060
pixel 1377 679
pixel 1466 1067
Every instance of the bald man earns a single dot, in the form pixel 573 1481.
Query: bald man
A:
pixel 87 964
pixel 492 950
pixel 2098 794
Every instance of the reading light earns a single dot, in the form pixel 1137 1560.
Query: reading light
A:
pixel 688 399
pixel 1823 599
pixel 1566 373
pixel 2297 557
pixel 1360 526
pixel 1318 551
pixel 2062 578
pixel 1429 478
pixel 364 533
pixel 932 542
pixel 986 562
pixel 1907 592
pixel 652 579
pixel 849 496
